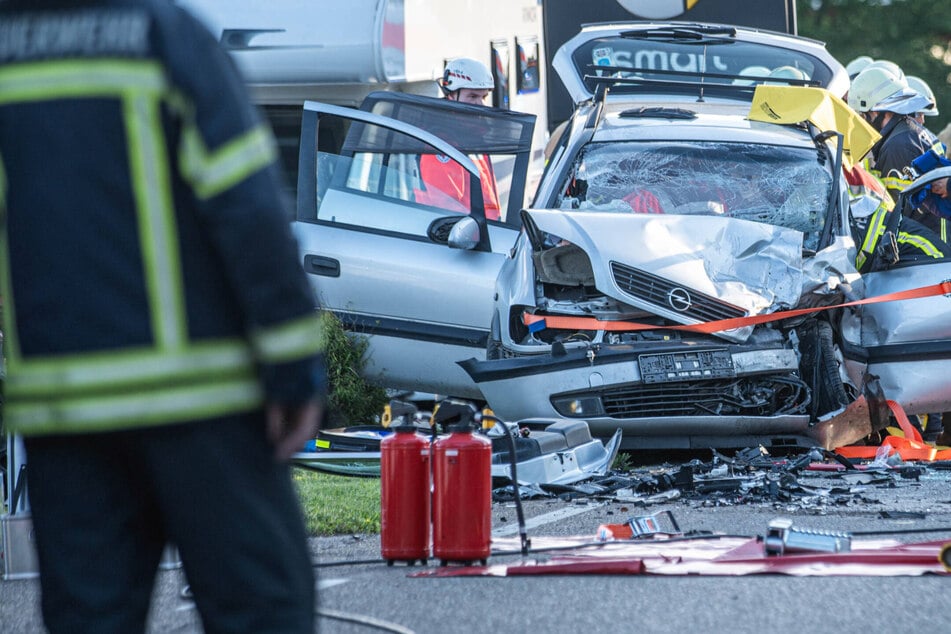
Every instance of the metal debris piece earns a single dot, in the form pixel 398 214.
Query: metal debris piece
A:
pixel 783 538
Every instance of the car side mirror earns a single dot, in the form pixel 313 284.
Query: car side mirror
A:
pixel 465 234
pixel 458 232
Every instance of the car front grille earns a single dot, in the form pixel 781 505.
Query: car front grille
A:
pixel 671 296
pixel 749 396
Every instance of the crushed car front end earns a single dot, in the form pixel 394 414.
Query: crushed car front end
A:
pixel 658 227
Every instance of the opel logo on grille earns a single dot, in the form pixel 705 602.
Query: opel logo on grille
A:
pixel 679 299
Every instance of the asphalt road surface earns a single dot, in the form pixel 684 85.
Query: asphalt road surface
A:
pixel 358 594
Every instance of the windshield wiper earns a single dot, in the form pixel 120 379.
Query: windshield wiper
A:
pixel 687 34
pixel 660 112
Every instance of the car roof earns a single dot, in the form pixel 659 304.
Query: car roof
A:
pixel 709 121
pixel 673 55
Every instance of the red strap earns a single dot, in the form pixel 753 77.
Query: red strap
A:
pixel 591 323
pixel 911 447
pixel 906 427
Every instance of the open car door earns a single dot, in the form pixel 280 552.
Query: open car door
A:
pixel 908 343
pixel 390 250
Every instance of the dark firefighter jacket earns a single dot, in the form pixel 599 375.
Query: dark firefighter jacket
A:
pixel 903 140
pixel 147 268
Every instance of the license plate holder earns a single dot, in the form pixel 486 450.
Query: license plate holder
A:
pixel 699 365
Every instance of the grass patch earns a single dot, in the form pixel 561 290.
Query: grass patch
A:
pixel 353 400
pixel 338 505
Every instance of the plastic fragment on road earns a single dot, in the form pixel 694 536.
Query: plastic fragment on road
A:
pixel 639 527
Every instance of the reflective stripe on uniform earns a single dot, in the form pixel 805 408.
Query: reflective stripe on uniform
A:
pixel 876 227
pixel 925 246
pixel 10 346
pixel 105 371
pixel 214 172
pixel 157 229
pixel 160 406
pixel 76 79
pixel 176 380
pixel 292 340
pixel 896 182
pixel 139 85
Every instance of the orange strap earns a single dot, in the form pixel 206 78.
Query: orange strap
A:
pixel 591 323
pixel 909 447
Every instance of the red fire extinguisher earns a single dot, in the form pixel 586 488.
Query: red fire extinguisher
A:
pixel 462 493
pixel 404 491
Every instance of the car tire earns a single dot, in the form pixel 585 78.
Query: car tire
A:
pixel 820 368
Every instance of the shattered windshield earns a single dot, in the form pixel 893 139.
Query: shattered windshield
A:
pixel 776 185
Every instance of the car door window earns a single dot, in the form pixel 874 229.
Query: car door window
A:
pixel 372 176
pixel 498 142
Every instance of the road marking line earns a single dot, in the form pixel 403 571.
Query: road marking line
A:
pixel 329 583
pixel 547 518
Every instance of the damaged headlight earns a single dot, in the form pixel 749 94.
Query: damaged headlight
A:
pixel 577 406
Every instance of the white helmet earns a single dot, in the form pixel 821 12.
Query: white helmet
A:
pixel 465 72
pixel 880 89
pixel 921 87
pixel 751 71
pixel 887 64
pixel 785 72
pixel 857 65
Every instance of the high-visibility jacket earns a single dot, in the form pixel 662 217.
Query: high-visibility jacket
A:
pixel 447 184
pixel 903 140
pixel 871 206
pixel 147 268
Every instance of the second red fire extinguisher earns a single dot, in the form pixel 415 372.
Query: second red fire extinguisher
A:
pixel 462 488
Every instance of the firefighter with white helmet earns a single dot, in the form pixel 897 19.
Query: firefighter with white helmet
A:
pixel 880 88
pixel 467 80
pixel 885 100
pixel 920 86
pixel 882 95
pixel 446 184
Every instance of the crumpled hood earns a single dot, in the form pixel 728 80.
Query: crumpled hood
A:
pixel 686 261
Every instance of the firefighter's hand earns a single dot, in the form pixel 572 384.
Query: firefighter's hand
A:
pixel 288 428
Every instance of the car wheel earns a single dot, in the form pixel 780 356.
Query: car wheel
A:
pixel 820 368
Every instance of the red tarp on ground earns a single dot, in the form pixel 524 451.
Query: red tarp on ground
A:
pixel 730 556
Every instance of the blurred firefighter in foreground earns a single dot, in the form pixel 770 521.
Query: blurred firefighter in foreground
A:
pixel 162 340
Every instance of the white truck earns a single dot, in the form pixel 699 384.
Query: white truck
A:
pixel 338 51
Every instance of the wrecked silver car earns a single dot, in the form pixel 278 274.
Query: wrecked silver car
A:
pixel 689 223
pixel 651 280
pixel 662 213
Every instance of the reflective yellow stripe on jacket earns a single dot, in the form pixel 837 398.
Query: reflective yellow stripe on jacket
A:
pixel 873 233
pixel 174 379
